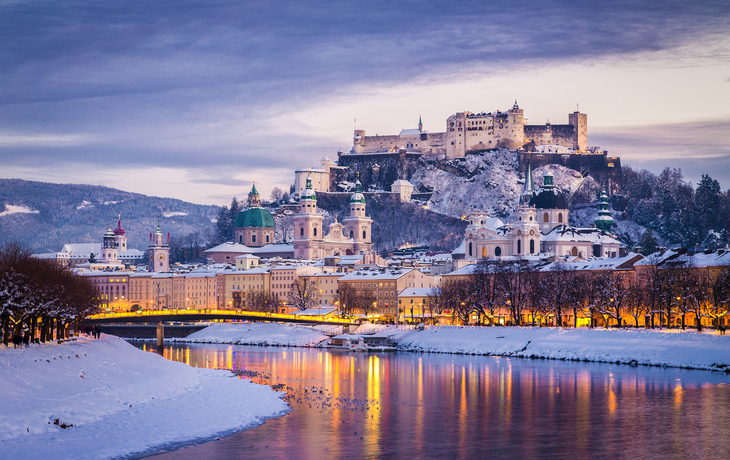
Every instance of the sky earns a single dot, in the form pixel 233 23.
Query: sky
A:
pixel 196 99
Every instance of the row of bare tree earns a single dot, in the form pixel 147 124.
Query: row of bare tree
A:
pixel 38 296
pixel 668 295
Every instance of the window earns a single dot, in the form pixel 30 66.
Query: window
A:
pixel 315 231
pixel 519 247
pixel 267 238
pixel 253 238
pixel 484 253
pixel 364 235
pixel 532 246
pixel 240 238
pixel 560 217
pixel 497 251
pixel 351 234
pixel 545 218
pixel 301 231
pixel 470 253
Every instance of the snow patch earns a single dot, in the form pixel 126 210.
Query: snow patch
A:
pixel 12 209
pixel 173 214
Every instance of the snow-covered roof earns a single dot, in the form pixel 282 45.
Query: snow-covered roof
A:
pixel 460 249
pixel 564 233
pixel 247 256
pixel 314 170
pixel 243 249
pixel 416 292
pixel 412 132
pixel 402 183
pixel 387 274
pixel 613 263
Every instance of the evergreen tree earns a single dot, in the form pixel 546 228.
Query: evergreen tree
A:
pixel 708 198
pixel 648 243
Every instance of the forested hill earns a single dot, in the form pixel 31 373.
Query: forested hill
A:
pixel 45 215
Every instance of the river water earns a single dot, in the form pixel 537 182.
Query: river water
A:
pixel 406 405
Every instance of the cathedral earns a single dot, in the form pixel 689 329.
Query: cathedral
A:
pixel 352 236
pixel 541 228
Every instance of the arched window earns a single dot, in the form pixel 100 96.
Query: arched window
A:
pixel 519 247
pixel 560 217
pixel 315 231
pixel 253 238
pixel 364 237
pixel 497 251
pixel 352 235
pixel 240 238
pixel 484 253
pixel 532 246
pixel 267 238
pixel 301 231
pixel 470 253
pixel 574 251
pixel 545 218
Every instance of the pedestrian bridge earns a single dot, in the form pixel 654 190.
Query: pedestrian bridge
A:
pixel 157 316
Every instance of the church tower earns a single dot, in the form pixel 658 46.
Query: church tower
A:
pixel 604 221
pixel 109 249
pixel 254 226
pixel 159 252
pixel 308 225
pixel 119 232
pixel 358 225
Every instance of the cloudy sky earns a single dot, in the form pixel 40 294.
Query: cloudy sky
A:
pixel 193 100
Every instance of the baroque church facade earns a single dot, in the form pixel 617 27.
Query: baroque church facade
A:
pixel 541 229
pixel 352 236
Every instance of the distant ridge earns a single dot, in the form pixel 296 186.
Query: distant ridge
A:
pixel 45 215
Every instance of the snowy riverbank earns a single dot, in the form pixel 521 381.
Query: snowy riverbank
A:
pixel 629 346
pixel 268 334
pixel 120 401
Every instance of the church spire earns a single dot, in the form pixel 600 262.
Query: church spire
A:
pixel 529 189
pixel 254 199
pixel 420 124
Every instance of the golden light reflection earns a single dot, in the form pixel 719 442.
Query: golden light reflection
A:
pixel 372 417
pixel 678 392
pixel 612 402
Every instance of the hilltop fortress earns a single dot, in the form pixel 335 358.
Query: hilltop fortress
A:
pixel 468 132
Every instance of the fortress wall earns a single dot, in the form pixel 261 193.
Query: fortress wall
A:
pixel 551 134
pixel 428 143
pixel 600 166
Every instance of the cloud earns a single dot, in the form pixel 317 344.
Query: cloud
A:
pixel 697 147
pixel 214 88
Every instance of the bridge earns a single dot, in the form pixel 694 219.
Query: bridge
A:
pixel 186 316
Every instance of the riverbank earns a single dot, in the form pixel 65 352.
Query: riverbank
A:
pixel 104 398
pixel 263 334
pixel 689 350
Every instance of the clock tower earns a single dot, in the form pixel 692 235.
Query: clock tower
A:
pixel 159 252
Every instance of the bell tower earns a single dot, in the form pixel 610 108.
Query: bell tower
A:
pixel 159 252
pixel 308 231
pixel 109 249
pixel 358 225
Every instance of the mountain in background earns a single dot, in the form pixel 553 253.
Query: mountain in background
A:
pixel 45 216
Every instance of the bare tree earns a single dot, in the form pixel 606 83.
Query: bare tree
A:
pixel 614 293
pixel 303 293
pixel 513 281
pixel 346 294
pixel 719 307
pixel 276 194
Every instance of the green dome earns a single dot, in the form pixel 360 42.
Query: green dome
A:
pixel 254 217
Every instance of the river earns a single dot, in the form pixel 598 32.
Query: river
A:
pixel 406 405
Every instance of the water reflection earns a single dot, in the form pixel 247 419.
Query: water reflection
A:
pixel 447 406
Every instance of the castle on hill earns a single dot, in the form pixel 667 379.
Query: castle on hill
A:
pixel 471 132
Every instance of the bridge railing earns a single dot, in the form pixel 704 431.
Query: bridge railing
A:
pixel 221 313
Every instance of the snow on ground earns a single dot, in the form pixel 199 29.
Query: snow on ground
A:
pixel 120 401
pixel 173 214
pixel 639 346
pixel 12 209
pixel 274 334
